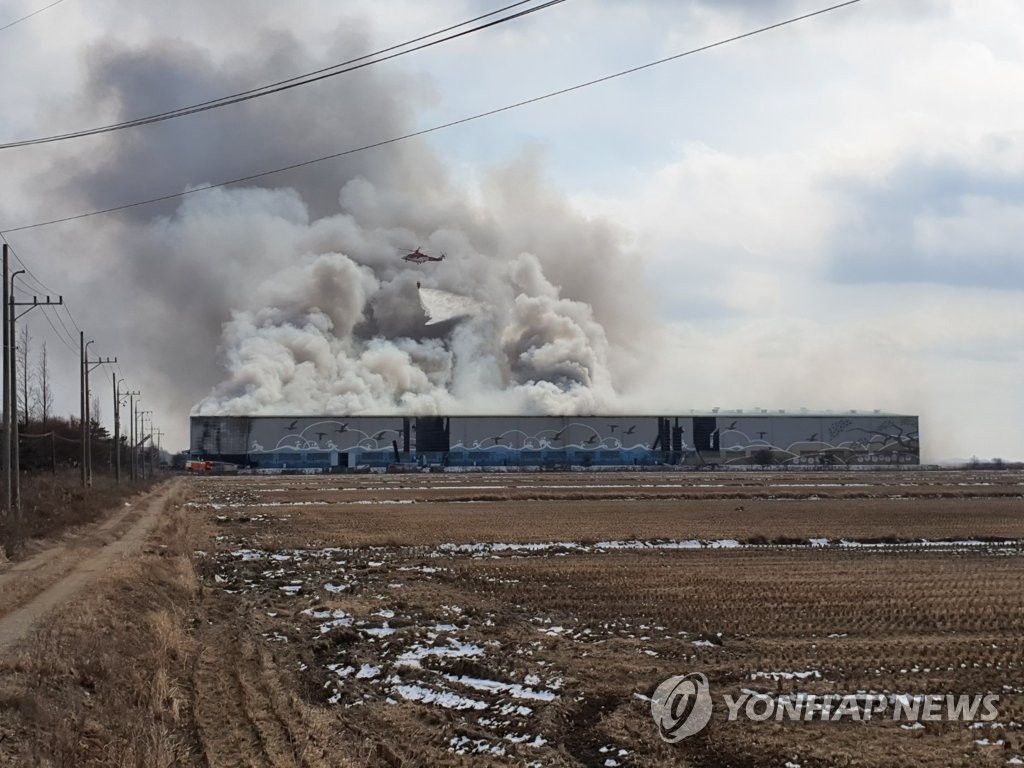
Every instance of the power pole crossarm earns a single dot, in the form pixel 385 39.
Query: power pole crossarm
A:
pixel 47 302
pixel 94 364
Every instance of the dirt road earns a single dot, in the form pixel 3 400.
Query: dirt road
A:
pixel 36 586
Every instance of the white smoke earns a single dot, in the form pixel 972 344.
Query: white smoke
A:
pixel 297 280
pixel 306 344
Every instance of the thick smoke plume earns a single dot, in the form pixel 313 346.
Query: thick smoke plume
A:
pixel 308 343
pixel 295 286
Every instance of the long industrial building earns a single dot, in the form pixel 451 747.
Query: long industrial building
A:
pixel 736 438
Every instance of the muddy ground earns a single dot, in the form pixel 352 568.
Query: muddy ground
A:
pixel 527 619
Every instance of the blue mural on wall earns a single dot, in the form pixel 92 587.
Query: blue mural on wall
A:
pixel 552 441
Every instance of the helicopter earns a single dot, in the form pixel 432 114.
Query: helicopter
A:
pixel 418 257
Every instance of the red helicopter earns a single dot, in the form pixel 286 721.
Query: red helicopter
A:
pixel 418 257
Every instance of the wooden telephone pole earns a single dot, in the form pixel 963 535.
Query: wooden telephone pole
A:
pixel 90 365
pixel 11 383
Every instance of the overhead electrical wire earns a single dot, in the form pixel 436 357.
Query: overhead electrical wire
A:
pixel 68 338
pixel 44 288
pixel 295 82
pixel 32 282
pixel 433 129
pixel 57 333
pixel 26 17
pixel 67 311
pixel 28 271
pixel 56 313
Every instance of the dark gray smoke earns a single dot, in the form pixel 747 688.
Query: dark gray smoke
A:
pixel 290 295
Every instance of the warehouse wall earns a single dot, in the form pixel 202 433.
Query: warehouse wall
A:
pixel 730 439
pixel 797 439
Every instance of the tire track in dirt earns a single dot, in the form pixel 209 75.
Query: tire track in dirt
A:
pixel 16 624
pixel 244 715
pixel 225 730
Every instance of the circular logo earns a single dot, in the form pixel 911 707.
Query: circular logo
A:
pixel 681 706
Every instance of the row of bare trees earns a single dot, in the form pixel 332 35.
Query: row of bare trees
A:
pixel 35 395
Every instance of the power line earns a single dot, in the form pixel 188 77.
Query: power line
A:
pixel 72 339
pixel 69 338
pixel 434 129
pixel 25 266
pixel 66 338
pixel 43 288
pixel 67 311
pixel 32 282
pixel 56 333
pixel 310 77
pixel 30 15
pixel 70 335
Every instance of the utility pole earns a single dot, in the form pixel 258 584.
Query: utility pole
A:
pixel 87 424
pixel 131 435
pixel 7 392
pixel 90 365
pixel 117 428
pixel 12 385
pixel 133 409
pixel 15 448
pixel 130 395
pixel 135 440
pixel 142 441
pixel 142 446
pixel 82 418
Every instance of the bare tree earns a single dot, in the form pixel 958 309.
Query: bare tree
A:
pixel 43 390
pixel 23 372
pixel 94 409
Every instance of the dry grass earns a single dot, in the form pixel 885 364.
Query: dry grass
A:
pixel 431 509
pixel 613 624
pixel 567 520
pixel 53 504
pixel 229 658
pixel 106 682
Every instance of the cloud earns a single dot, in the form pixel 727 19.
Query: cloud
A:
pixel 932 222
pixel 827 215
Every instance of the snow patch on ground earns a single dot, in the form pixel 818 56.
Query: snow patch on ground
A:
pixel 445 699
pixel 810 673
pixel 514 690
pixel 454 650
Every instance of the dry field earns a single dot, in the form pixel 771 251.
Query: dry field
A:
pixel 525 620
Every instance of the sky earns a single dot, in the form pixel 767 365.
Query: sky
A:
pixel 827 215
